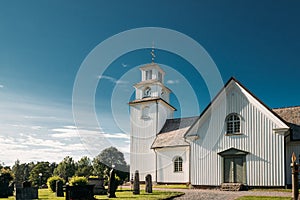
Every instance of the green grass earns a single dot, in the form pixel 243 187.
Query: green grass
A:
pixel 125 194
pixel 155 195
pixel 263 198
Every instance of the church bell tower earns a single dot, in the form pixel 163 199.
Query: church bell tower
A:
pixel 148 113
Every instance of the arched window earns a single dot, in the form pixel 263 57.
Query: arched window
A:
pixel 147 92
pixel 233 123
pixel 145 112
pixel 178 164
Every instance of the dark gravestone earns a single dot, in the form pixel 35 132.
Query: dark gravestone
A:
pixel 26 184
pixel 99 188
pixel 27 193
pixel 80 192
pixel 59 188
pixel 136 183
pixel 148 182
pixel 11 189
pixel 112 184
pixel 3 187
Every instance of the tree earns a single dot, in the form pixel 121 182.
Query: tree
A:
pixel 21 171
pixel 84 167
pixel 103 163
pixel 40 173
pixel 65 168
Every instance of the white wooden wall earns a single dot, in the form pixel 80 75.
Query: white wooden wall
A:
pixel 265 161
pixel 165 166
pixel 143 133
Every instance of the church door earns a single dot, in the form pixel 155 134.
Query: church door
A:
pixel 234 169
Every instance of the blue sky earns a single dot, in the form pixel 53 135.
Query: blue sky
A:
pixel 44 43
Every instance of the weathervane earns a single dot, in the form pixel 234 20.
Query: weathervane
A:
pixel 152 53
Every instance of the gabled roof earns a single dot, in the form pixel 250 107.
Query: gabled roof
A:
pixel 289 114
pixel 292 116
pixel 172 133
pixel 232 79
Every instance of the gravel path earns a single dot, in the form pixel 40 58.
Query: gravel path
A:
pixel 224 195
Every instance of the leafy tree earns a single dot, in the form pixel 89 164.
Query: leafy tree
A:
pixel 6 173
pixel 43 169
pixel 103 163
pixel 21 171
pixel 84 167
pixel 65 168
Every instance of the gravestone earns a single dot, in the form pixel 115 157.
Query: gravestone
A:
pixel 99 188
pixel 148 182
pixel 136 183
pixel 112 184
pixel 79 192
pixel 3 187
pixel 27 192
pixel 59 188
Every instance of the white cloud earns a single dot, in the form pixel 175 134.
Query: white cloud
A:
pixel 124 65
pixel 113 80
pixel 116 135
pixel 172 82
pixel 1 86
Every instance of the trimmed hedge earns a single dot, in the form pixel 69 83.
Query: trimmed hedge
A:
pixel 78 180
pixel 51 182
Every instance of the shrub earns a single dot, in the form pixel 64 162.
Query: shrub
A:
pixel 78 180
pixel 51 182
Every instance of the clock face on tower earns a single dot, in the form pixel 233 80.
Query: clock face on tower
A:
pixel 147 92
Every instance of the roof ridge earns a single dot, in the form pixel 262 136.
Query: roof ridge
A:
pixel 286 107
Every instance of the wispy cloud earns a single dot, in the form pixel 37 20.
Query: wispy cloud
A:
pixel 116 135
pixel 172 82
pixel 113 80
pixel 1 86
pixel 124 65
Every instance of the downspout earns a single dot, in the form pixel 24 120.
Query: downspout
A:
pixel 285 159
pixel 156 117
pixel 189 160
pixel 156 135
pixel 155 165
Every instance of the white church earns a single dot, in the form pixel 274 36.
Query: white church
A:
pixel 236 139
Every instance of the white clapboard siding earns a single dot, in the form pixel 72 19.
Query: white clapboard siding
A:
pixel 265 162
pixel 143 133
pixel 165 165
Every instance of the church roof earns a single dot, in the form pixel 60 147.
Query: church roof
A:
pixel 292 116
pixel 172 133
pixel 289 114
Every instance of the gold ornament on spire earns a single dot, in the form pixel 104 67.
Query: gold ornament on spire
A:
pixel 293 157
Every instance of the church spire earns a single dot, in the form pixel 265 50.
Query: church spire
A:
pixel 152 53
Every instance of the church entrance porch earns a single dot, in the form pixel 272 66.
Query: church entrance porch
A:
pixel 234 166
pixel 234 169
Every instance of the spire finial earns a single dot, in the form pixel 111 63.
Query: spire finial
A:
pixel 152 53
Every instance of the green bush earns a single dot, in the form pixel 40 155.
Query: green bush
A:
pixel 51 182
pixel 78 180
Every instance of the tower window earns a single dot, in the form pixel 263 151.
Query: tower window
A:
pixel 147 92
pixel 145 113
pixel 159 77
pixel 178 164
pixel 148 74
pixel 233 123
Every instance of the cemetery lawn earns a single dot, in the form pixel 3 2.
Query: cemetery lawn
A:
pixel 263 198
pixel 125 194
pixel 157 194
